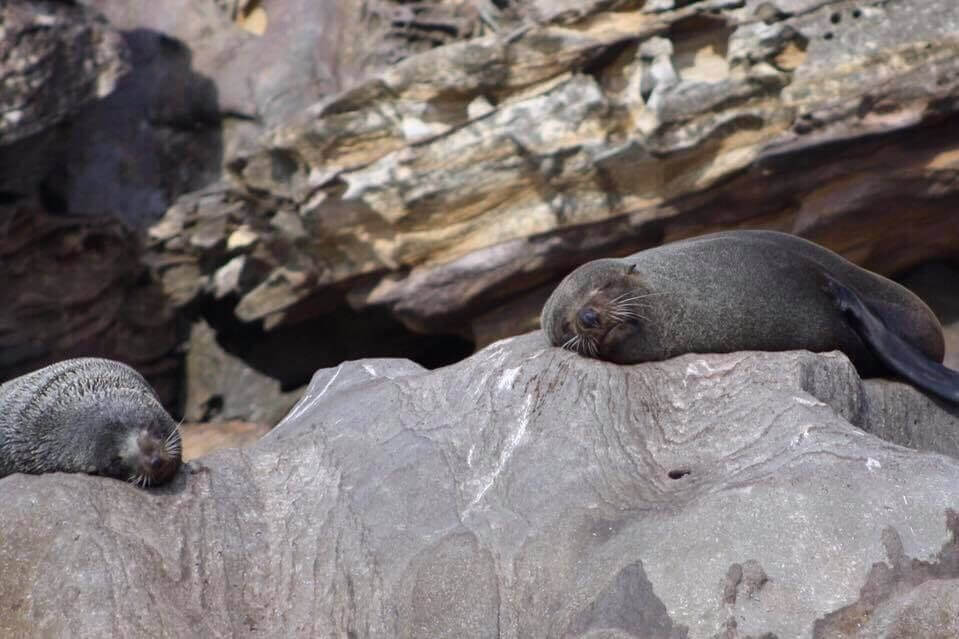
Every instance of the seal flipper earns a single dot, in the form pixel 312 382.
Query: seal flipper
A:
pixel 899 355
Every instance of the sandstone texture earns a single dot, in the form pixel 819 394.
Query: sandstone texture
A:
pixel 522 492
pixel 111 110
pixel 453 188
pixel 318 181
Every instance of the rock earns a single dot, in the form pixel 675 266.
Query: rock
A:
pixel 107 122
pixel 203 439
pixel 74 287
pixel 73 283
pixel 54 58
pixel 523 492
pixel 222 387
pixel 310 50
pixel 462 180
pixel 935 283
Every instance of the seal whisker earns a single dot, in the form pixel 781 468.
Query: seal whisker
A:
pixel 577 345
pixel 619 300
pixel 624 315
pixel 592 348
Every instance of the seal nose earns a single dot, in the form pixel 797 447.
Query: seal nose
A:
pixel 589 318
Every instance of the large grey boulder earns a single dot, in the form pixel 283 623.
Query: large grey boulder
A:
pixel 523 492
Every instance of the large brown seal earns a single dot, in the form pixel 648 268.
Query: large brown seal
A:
pixel 87 415
pixel 747 290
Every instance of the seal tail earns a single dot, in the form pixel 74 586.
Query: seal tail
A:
pixel 896 353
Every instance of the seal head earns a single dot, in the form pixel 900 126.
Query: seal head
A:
pixel 599 310
pixel 87 415
pixel 133 441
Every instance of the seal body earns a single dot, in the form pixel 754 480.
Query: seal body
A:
pixel 733 291
pixel 87 415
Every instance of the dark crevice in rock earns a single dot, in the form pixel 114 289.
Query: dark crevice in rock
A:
pixel 212 408
pixel 291 353
pixel 613 56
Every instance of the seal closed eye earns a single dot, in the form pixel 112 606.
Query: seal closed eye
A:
pixel 747 290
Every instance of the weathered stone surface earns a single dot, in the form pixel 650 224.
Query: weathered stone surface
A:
pixel 460 181
pixel 271 59
pixel 523 492
pixel 222 387
pixel 54 58
pixel 74 287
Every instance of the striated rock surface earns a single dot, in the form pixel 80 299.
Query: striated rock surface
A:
pixel 75 287
pixel 523 492
pixel 452 187
pixel 110 110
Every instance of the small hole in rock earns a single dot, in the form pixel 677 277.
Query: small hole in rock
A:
pixel 835 18
pixel 212 407
pixel 677 474
pixel 827 35
pixel 856 13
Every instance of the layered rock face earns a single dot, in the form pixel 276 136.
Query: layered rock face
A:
pixel 73 281
pixel 346 178
pixel 455 187
pixel 111 110
pixel 523 492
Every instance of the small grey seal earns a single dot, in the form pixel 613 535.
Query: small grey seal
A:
pixel 87 415
pixel 747 290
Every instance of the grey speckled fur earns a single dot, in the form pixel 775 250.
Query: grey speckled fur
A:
pixel 75 416
pixel 737 290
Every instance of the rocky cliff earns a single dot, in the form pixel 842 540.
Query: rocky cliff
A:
pixel 322 181
pixel 453 189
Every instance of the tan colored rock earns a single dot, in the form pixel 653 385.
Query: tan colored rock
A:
pixel 202 439
pixel 242 238
pixel 460 181
pixel 281 290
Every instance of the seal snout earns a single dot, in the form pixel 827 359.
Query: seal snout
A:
pixel 158 458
